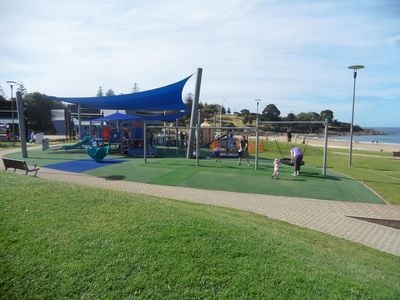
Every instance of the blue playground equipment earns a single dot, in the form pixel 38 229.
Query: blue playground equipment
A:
pixel 97 150
pixel 98 153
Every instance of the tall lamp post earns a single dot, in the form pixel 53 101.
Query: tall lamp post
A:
pixel 354 68
pixel 257 135
pixel 11 83
pixel 220 113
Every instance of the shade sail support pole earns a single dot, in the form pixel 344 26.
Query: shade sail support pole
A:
pixel 194 115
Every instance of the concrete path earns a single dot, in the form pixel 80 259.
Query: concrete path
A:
pixel 331 217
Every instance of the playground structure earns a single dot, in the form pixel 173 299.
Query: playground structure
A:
pixel 167 98
pixel 78 145
pixel 254 148
pixel 227 139
pixel 289 161
pixel 98 152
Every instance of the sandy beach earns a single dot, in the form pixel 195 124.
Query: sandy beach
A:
pixel 319 142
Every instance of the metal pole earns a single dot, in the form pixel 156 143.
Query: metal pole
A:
pixel 22 128
pixel 354 68
pixel 325 148
pixel 79 122
pixel 220 116
pixel 176 137
pixel 257 137
pixel 12 117
pixel 11 83
pixel 145 143
pixel 352 120
pixel 197 144
pixel 193 118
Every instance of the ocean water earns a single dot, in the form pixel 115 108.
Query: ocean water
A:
pixel 391 136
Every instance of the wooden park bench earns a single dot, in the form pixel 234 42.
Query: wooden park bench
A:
pixel 20 165
pixel 396 153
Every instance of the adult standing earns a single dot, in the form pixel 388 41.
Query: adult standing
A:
pixel 289 135
pixel 297 156
pixel 244 150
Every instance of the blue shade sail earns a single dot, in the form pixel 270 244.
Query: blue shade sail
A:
pixel 115 117
pixel 164 98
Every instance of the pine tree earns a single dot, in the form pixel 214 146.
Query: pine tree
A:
pixel 110 92
pixel 135 88
pixel 100 92
pixel 21 88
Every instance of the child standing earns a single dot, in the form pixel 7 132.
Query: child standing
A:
pixel 277 163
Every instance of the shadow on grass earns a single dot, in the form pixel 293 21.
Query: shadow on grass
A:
pixel 114 177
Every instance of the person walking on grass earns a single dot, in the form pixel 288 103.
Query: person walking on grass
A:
pixel 244 150
pixel 217 150
pixel 297 157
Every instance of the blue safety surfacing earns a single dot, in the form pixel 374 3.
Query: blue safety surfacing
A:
pixel 82 165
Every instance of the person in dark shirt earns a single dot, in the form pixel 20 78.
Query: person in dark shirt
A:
pixel 244 150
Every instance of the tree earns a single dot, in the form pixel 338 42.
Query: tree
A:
pixel 223 110
pixel 100 92
pixel 38 111
pixel 251 118
pixel 188 99
pixel 314 116
pixel 208 110
pixel 135 88
pixel 310 116
pixel 2 94
pixel 110 92
pixel 228 111
pixel 244 112
pixel 271 113
pixel 291 117
pixel 21 88
pixel 327 114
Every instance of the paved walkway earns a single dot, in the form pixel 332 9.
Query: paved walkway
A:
pixel 326 216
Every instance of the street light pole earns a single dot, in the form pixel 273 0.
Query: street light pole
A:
pixel 354 68
pixel 220 113
pixel 257 135
pixel 11 83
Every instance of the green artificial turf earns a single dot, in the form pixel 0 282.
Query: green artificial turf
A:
pixel 64 241
pixel 227 176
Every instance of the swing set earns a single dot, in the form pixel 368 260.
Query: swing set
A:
pixel 287 160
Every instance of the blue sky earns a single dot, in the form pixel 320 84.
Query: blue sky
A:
pixel 293 54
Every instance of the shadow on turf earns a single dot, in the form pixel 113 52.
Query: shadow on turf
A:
pixel 319 175
pixel 114 177
pixel 52 158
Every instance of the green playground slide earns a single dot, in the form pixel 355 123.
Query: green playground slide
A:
pixel 79 144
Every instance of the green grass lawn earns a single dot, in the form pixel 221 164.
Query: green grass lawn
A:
pixel 64 241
